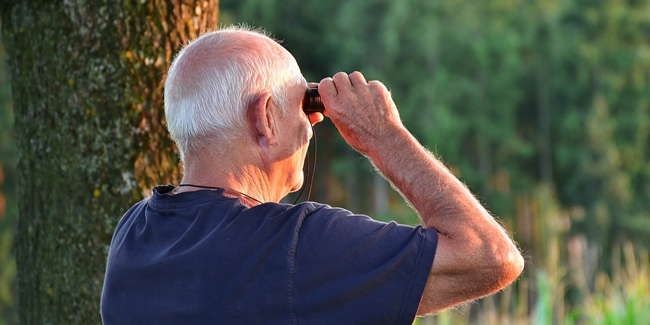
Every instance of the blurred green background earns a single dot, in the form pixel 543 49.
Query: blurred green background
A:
pixel 541 107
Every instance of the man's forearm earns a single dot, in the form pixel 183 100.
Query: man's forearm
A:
pixel 441 200
pixel 423 180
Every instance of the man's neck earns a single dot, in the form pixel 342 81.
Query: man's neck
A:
pixel 248 178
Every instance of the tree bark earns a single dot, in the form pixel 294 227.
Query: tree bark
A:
pixel 87 88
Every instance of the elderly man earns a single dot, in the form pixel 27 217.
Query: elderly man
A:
pixel 220 249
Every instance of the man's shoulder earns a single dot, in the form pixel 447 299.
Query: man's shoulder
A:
pixel 303 209
pixel 136 209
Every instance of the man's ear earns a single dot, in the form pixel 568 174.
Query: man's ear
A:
pixel 262 119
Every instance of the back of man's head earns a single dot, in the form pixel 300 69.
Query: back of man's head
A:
pixel 213 80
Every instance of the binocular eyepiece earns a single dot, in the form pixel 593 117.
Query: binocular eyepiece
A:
pixel 312 102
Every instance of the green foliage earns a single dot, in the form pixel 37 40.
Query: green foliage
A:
pixel 542 107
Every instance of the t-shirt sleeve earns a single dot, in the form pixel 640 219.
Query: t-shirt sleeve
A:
pixel 351 269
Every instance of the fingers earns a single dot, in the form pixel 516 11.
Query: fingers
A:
pixel 357 79
pixel 342 82
pixel 344 89
pixel 327 89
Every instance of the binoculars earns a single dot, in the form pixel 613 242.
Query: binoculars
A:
pixel 312 102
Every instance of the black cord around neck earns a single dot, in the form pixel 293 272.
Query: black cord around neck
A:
pixel 219 188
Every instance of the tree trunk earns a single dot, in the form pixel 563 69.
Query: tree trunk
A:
pixel 86 82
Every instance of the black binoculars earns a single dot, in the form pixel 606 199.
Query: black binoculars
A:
pixel 312 102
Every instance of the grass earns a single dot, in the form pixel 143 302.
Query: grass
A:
pixel 562 282
pixel 539 297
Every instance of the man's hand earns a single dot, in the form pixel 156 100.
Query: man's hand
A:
pixel 364 113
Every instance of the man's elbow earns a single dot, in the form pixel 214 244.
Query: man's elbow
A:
pixel 495 273
pixel 505 269
pixel 483 274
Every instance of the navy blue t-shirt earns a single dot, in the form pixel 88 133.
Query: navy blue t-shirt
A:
pixel 204 258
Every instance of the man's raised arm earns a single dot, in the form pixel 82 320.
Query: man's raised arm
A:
pixel 475 256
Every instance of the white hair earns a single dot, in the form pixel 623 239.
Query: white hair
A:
pixel 214 79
